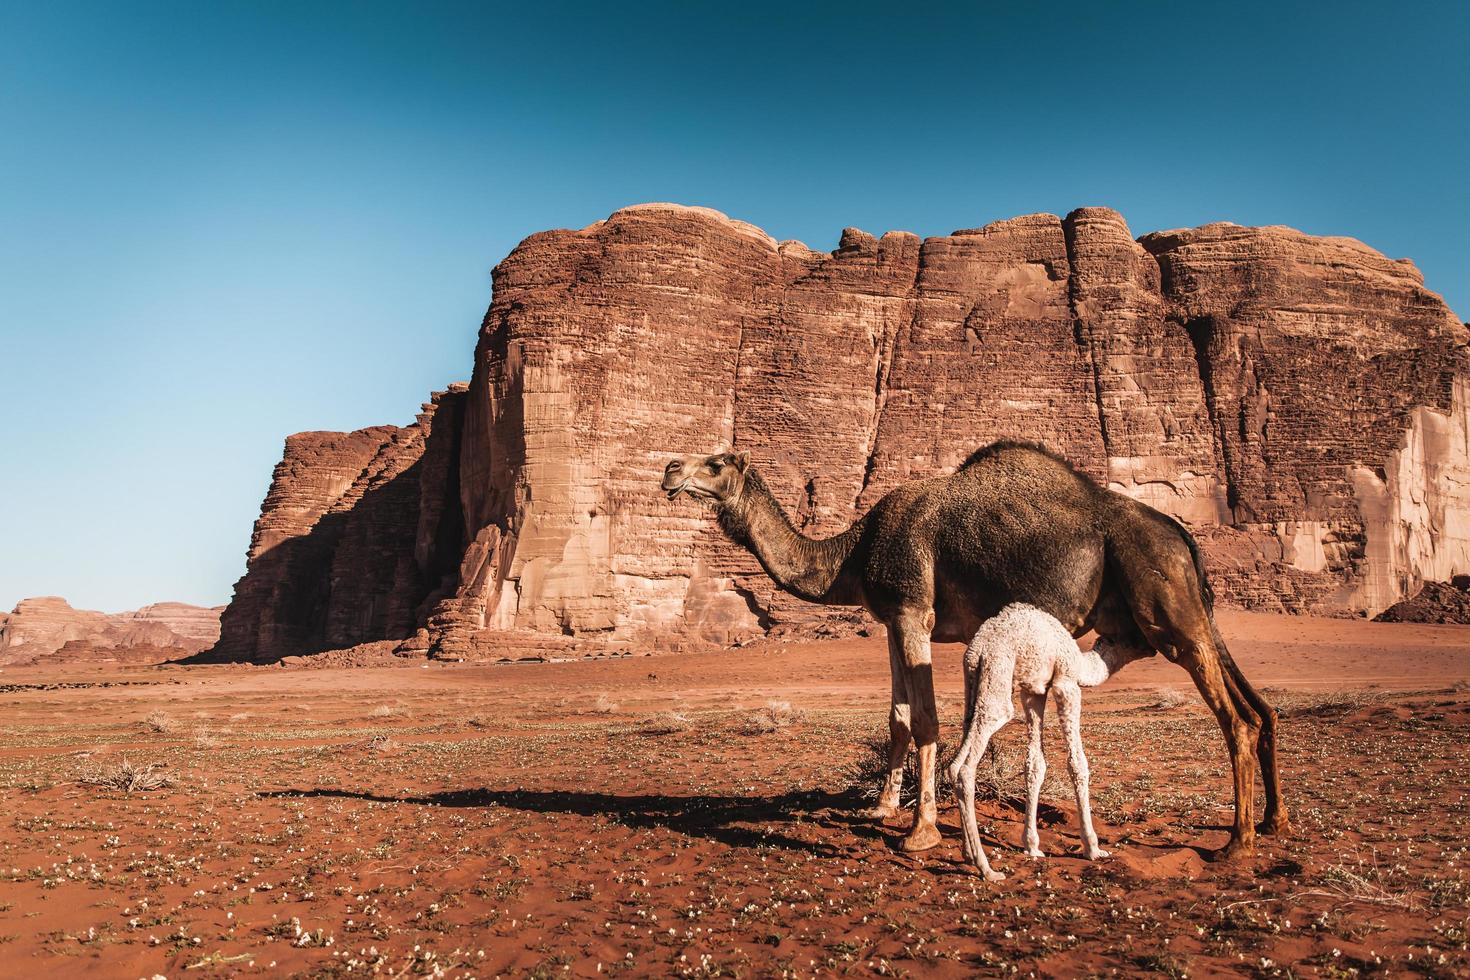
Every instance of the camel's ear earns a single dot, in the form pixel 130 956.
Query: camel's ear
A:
pixel 741 460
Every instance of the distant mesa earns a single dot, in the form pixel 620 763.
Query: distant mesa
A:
pixel 1299 402
pixel 47 630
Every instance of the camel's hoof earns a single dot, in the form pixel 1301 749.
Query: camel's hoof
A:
pixel 879 812
pixel 1235 850
pixel 994 876
pixel 1275 827
pixel 1098 854
pixel 921 839
pixel 1035 852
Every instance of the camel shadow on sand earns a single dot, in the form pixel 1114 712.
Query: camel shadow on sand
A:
pixel 736 821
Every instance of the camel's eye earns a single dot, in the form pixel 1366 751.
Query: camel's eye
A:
pixel 715 468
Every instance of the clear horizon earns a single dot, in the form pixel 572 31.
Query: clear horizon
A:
pixel 223 224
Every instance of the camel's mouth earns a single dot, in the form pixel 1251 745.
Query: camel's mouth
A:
pixel 694 490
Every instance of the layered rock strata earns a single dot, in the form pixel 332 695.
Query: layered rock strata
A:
pixel 1299 402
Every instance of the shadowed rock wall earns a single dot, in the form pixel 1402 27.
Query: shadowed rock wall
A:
pixel 1299 402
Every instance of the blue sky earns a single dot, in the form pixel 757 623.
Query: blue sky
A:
pixel 221 223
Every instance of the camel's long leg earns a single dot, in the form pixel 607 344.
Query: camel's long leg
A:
pixel 913 638
pixel 899 732
pixel 1274 820
pixel 1165 597
pixel 1069 710
pixel 1035 705
pixel 1204 667
pixel 982 728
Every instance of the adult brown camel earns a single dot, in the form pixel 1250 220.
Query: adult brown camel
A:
pixel 935 558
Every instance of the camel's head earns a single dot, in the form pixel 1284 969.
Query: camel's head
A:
pixel 714 479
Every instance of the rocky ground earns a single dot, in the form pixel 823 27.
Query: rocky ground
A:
pixel 692 814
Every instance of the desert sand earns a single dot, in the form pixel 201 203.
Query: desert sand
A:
pixel 691 814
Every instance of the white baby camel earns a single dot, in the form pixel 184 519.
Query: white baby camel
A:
pixel 1028 650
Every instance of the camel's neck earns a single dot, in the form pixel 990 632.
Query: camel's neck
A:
pixel 1101 662
pixel 812 570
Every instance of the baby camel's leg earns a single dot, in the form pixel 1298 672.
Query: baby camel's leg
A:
pixel 1035 705
pixel 987 719
pixel 1069 708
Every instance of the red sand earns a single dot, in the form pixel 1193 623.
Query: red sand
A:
pixel 483 820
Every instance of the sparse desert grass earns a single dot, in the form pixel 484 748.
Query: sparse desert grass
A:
pixel 770 717
pixel 160 722
pixel 1167 699
pixel 1299 704
pixel 667 723
pixel 128 777
pixel 1363 881
pixel 206 740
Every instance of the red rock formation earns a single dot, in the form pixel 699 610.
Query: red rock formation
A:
pixel 1300 402
pixel 47 629
pixel 350 546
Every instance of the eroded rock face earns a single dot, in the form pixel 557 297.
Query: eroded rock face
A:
pixel 1299 402
pixel 351 545
pixel 48 630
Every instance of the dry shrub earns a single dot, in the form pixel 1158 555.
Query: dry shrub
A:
pixel 163 724
pixel 1362 882
pixel 770 717
pixel 603 705
pixel 869 771
pixel 241 716
pixel 386 711
pixel 1167 699
pixel 377 743
pixel 206 740
pixel 127 777
pixel 1317 704
pixel 480 721
pixel 667 723
pixel 1001 774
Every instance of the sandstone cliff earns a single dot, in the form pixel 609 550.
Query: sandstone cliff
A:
pixel 1300 402
pixel 47 629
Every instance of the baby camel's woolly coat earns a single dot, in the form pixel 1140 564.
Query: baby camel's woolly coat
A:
pixel 1026 650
